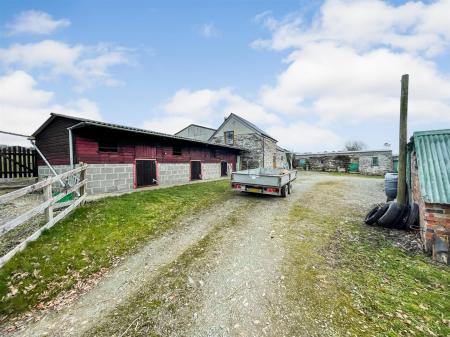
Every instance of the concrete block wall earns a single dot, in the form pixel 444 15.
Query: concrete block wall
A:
pixel 210 171
pixel 173 173
pixel 105 178
pixel 102 178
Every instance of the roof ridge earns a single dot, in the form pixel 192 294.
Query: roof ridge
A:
pixel 131 128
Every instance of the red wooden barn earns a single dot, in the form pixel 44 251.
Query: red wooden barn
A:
pixel 122 158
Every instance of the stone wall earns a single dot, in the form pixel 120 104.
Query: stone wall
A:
pixel 434 221
pixel 173 173
pixel 342 162
pixel 257 155
pixel 270 152
pixel 384 164
pixel 281 159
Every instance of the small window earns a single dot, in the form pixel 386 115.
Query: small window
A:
pixel 107 146
pixel 229 137
pixel 176 151
pixel 374 161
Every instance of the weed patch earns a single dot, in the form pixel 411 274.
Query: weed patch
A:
pixel 349 279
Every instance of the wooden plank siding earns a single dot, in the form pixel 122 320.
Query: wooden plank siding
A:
pixel 53 141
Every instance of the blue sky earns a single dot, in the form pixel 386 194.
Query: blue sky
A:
pixel 313 74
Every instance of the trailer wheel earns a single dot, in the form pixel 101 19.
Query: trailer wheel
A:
pixel 283 191
pixel 289 188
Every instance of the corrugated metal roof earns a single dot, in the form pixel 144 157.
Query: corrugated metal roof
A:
pixel 84 121
pixel 433 161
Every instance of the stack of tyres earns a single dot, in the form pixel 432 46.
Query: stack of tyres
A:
pixel 394 215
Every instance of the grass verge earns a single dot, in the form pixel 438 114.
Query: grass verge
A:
pixel 93 237
pixel 349 279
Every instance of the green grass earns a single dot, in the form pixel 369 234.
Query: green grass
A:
pixel 353 281
pixel 93 237
pixel 400 294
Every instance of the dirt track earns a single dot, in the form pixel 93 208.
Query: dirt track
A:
pixel 220 273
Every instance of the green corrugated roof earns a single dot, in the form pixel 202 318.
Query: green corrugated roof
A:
pixel 433 161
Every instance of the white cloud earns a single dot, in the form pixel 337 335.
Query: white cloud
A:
pixel 35 22
pixel 209 107
pixel 345 66
pixel 87 65
pixel 362 24
pixel 302 137
pixel 336 82
pixel 23 107
pixel 208 30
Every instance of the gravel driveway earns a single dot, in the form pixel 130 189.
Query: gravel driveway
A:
pixel 220 273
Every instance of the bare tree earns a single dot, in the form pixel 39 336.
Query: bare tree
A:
pixel 355 145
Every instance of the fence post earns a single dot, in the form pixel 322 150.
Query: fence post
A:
pixel 82 178
pixel 48 195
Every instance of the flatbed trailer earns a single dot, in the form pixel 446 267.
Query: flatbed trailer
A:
pixel 272 181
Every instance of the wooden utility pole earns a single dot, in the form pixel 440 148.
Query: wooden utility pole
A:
pixel 401 186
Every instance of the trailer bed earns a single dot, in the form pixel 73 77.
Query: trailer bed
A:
pixel 271 181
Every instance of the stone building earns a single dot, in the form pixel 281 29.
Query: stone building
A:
pixel 284 158
pixel 261 148
pixel 375 162
pixel 429 185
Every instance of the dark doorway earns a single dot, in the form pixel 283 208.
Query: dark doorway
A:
pixel 145 172
pixel 196 170
pixel 223 169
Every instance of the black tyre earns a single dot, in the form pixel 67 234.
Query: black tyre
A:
pixel 412 222
pixel 402 219
pixel 283 191
pixel 376 213
pixel 289 188
pixel 392 215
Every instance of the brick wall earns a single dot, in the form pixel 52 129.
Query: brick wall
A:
pixel 434 221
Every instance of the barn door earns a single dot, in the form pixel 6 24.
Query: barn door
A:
pixel 196 170
pixel 145 172
pixel 223 168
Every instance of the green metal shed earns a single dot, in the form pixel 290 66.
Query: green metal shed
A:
pixel 433 162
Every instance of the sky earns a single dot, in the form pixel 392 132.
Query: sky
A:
pixel 312 74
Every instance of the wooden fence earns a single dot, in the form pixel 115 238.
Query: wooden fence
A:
pixel 17 162
pixel 48 206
